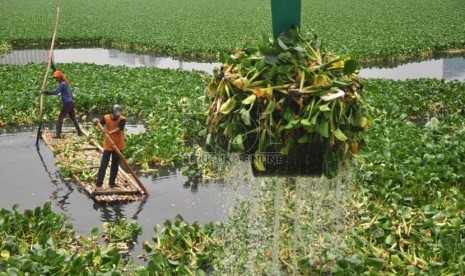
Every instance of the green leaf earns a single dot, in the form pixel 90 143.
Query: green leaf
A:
pixel 260 65
pixel 390 240
pixel 250 99
pixel 257 162
pixel 305 122
pixel 5 254
pixel 396 260
pixel 288 146
pixel 245 116
pixel 228 106
pixel 273 70
pixel 323 128
pixel 350 66
pixel 304 139
pixel 324 108
pixel 229 129
pixel 13 271
pixel 292 124
pixel 209 139
pixel 288 114
pixel 97 260
pixel 94 231
pixel 200 272
pixel 263 136
pixel 376 262
pixel 178 218
pixel 203 132
pixel 282 44
pixel 340 135
pixel 238 142
pixel 270 108
pixel 363 122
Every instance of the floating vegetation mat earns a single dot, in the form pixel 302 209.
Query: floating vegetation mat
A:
pixel 79 157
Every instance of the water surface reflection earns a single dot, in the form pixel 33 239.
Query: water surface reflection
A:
pixel 31 177
pixel 448 69
pixel 444 68
pixel 101 56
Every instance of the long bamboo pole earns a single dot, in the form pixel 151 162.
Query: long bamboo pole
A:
pixel 46 76
pixel 125 162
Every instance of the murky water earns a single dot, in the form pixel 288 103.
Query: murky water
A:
pixel 445 68
pixel 30 177
pixel 448 69
pixel 101 56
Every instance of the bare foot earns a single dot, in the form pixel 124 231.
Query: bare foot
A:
pixel 99 189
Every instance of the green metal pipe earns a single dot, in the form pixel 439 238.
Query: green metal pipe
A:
pixel 285 14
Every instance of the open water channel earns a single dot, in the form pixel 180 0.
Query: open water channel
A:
pixel 441 68
pixel 29 176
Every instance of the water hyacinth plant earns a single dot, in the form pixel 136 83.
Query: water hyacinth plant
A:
pixel 42 242
pixel 182 248
pixel 287 96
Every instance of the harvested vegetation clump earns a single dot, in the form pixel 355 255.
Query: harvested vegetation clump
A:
pixel 288 96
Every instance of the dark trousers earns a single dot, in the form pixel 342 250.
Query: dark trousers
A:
pixel 104 165
pixel 67 109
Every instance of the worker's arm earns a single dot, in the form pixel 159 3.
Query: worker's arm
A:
pixel 120 127
pixel 102 121
pixel 60 88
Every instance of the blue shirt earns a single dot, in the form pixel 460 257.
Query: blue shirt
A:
pixel 62 88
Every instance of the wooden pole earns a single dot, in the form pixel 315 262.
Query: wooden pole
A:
pixel 125 162
pixel 46 76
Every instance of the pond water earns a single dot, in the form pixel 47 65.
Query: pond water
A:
pixel 30 177
pixel 447 68
pixel 444 68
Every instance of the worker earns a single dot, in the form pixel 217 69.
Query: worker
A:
pixel 67 106
pixel 114 124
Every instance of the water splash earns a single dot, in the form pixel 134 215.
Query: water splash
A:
pixel 285 225
pixel 321 219
pixel 278 204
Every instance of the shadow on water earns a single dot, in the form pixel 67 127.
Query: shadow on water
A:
pixel 192 184
pixel 60 200
pixel 114 211
pixel 110 212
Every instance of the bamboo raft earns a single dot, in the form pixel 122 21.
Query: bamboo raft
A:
pixel 80 156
